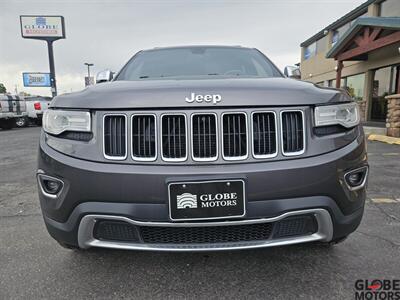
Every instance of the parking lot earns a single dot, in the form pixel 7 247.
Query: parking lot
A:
pixel 33 265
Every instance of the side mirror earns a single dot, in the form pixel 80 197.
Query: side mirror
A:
pixel 292 72
pixel 104 76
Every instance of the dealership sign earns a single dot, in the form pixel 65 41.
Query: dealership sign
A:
pixel 36 79
pixel 42 27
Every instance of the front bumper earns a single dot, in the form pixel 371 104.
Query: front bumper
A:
pixel 137 194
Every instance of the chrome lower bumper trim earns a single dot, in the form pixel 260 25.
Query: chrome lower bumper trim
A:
pixel 324 233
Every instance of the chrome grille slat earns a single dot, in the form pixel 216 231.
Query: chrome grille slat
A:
pixel 174 138
pixel 293 134
pixel 144 137
pixel 234 133
pixel 264 134
pixel 114 136
pixel 204 137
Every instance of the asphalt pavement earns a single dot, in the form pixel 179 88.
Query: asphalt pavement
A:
pixel 33 265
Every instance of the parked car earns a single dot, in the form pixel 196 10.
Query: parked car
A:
pixel 35 107
pixel 201 148
pixel 11 109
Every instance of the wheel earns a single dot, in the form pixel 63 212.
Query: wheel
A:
pixel 38 122
pixel 7 124
pixel 334 242
pixel 21 122
pixel 68 246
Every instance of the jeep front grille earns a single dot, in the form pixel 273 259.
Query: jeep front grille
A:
pixel 204 137
pixel 115 146
pixel 144 140
pixel 292 132
pixel 174 144
pixel 264 134
pixel 207 136
pixel 234 136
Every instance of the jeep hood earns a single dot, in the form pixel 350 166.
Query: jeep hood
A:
pixel 172 93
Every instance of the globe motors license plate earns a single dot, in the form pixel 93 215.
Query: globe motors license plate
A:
pixel 206 200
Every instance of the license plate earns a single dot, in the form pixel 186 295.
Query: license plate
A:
pixel 206 200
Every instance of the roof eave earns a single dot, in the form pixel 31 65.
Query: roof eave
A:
pixel 381 22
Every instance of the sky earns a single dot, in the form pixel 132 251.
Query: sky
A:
pixel 108 33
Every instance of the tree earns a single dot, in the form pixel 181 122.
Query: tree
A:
pixel 3 89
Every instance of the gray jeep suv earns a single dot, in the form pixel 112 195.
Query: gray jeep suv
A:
pixel 201 148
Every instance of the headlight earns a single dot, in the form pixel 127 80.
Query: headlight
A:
pixel 58 121
pixel 340 114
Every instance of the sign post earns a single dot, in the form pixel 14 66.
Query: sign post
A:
pixel 49 29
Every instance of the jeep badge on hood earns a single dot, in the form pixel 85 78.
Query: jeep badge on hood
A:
pixel 204 98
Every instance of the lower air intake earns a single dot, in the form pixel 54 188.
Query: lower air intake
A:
pixel 115 231
pixel 200 235
pixel 109 230
pixel 294 226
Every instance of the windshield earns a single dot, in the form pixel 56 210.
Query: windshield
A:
pixel 192 62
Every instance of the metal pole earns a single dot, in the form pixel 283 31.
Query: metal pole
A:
pixel 88 71
pixel 52 69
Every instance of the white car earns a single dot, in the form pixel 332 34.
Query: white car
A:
pixel 12 108
pixel 35 107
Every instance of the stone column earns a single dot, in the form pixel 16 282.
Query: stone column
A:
pixel 393 115
pixel 368 89
pixel 363 106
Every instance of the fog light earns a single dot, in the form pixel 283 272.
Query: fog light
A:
pixel 357 178
pixel 50 186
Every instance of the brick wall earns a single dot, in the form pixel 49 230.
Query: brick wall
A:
pixel 393 115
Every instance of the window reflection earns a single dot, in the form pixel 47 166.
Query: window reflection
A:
pixel 355 86
pixel 383 85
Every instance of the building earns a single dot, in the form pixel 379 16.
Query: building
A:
pixel 361 53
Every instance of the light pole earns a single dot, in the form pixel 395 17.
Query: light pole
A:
pixel 88 69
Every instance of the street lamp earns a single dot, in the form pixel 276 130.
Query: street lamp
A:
pixel 88 68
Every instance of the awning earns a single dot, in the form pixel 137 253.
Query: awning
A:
pixel 365 35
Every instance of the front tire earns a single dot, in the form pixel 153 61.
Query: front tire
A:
pixel 334 242
pixel 21 122
pixel 7 124
pixel 68 246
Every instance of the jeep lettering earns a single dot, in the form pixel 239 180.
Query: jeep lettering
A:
pixel 206 98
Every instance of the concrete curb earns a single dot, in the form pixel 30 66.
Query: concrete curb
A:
pixel 384 139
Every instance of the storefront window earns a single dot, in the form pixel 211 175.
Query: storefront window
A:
pixel 382 86
pixel 390 8
pixel 355 86
pixel 332 83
